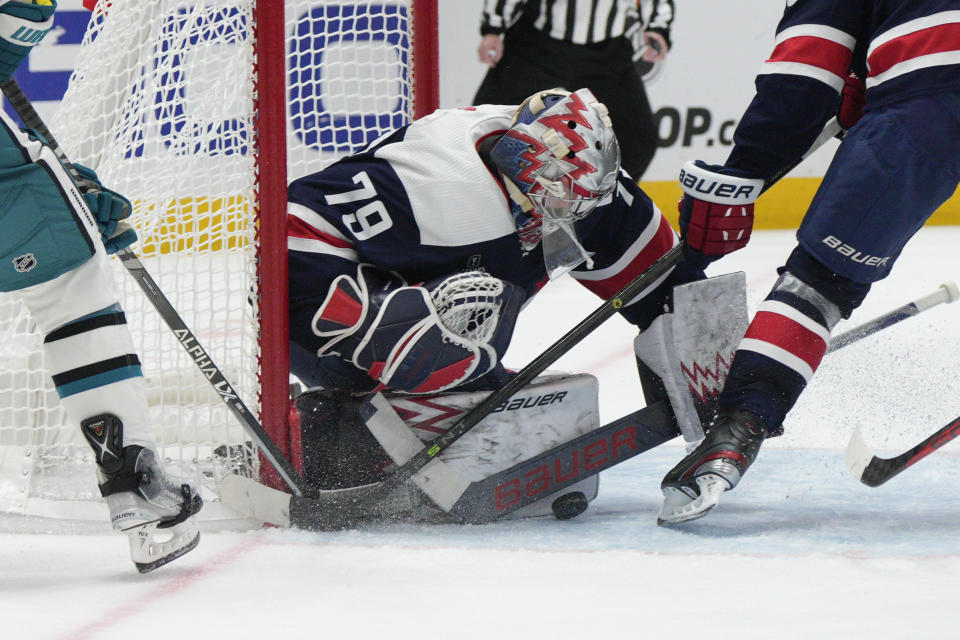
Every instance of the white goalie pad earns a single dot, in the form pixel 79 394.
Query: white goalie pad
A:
pixel 692 348
pixel 550 411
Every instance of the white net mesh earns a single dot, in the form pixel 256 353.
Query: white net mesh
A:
pixel 161 105
pixel 468 304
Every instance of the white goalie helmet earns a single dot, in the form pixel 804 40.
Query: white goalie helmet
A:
pixel 558 161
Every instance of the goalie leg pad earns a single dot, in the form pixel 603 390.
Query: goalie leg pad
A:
pixel 691 349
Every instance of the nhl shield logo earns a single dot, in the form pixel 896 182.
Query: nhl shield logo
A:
pixel 25 262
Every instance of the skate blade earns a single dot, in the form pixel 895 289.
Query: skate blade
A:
pixel 151 548
pixel 678 507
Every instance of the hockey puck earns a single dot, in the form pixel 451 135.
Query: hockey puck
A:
pixel 569 505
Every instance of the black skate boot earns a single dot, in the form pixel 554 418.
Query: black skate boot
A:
pixel 694 486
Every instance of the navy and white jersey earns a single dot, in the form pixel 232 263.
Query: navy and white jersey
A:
pixel 421 202
pixel 902 48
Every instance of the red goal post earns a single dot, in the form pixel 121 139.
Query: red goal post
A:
pixel 271 65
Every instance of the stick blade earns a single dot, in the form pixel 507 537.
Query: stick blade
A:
pixel 254 500
pixel 859 456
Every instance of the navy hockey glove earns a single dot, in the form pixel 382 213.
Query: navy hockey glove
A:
pixel 109 208
pixel 22 26
pixel 419 339
pixel 852 100
pixel 716 211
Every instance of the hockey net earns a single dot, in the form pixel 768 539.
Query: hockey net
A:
pixel 188 107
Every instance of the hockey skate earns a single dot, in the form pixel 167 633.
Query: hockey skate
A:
pixel 157 514
pixel 693 487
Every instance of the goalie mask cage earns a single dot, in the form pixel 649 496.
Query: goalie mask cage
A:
pixel 200 111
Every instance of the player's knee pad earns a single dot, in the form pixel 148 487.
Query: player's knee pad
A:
pixel 838 291
pixel 80 291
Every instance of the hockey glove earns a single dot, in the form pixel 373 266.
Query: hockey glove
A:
pixel 419 339
pixel 852 100
pixel 22 26
pixel 109 208
pixel 716 211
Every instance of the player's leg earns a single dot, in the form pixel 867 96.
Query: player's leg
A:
pixel 53 256
pixel 896 166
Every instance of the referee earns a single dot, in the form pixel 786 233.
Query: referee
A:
pixel 533 45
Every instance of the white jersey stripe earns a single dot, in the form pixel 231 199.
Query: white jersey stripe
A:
pixel 935 20
pixel 782 356
pixel 310 245
pixel 315 220
pixel 632 252
pixel 913 64
pixel 800 69
pixel 817 31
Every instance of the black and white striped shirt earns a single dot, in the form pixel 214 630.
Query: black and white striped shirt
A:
pixel 578 21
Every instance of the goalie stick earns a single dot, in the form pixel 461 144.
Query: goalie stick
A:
pixel 477 502
pixel 186 338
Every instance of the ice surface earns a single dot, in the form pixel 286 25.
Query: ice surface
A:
pixel 799 550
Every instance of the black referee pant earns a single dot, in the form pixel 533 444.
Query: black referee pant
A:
pixel 533 61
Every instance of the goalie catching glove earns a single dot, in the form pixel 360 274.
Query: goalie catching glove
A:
pixel 716 211
pixel 419 339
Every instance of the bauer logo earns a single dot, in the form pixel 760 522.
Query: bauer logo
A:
pixel 25 263
pixel 852 253
pixel 710 186
pixel 593 456
pixel 514 404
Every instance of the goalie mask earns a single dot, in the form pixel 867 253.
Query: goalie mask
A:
pixel 558 161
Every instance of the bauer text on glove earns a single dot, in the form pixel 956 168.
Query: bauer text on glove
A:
pixel 716 210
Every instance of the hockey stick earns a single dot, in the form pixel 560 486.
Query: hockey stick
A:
pixel 873 471
pixel 861 460
pixel 189 342
pixel 947 292
pixel 484 500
